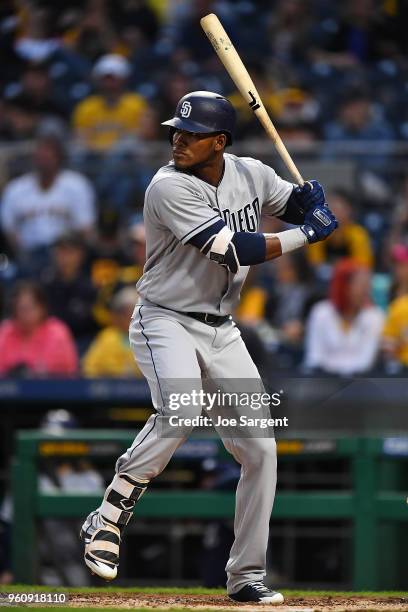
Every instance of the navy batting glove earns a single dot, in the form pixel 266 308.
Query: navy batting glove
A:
pixel 319 224
pixel 309 195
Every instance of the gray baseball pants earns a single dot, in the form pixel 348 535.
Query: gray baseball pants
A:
pixel 175 351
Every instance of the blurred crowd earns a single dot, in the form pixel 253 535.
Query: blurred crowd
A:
pixel 86 84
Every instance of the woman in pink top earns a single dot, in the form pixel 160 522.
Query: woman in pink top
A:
pixel 31 342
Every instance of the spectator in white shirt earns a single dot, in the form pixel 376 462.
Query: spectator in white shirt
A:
pixel 39 207
pixel 343 333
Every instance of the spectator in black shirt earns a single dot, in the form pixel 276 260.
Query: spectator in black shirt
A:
pixel 71 294
pixel 32 101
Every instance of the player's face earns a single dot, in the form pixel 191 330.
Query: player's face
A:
pixel 191 149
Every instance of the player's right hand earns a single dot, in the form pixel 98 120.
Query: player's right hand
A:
pixel 319 224
pixel 309 195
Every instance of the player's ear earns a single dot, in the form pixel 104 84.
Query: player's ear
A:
pixel 220 142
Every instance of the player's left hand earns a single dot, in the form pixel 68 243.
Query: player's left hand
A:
pixel 319 224
pixel 309 195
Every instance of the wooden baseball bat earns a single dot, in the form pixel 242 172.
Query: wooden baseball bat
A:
pixel 233 64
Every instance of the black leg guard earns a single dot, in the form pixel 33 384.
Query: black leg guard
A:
pixel 120 499
pixel 107 525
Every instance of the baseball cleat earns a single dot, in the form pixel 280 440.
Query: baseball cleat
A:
pixel 102 551
pixel 257 592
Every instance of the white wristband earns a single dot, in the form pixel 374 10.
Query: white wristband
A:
pixel 291 239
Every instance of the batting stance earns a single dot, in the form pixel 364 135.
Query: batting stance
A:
pixel 202 214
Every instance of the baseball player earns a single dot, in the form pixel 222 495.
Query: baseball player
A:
pixel 202 214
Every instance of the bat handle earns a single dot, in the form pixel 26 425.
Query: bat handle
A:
pixel 297 177
pixel 288 161
pixel 273 134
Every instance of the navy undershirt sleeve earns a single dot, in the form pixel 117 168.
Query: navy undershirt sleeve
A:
pixel 250 248
pixel 293 213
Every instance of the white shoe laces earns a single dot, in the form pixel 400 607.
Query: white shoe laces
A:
pixel 259 586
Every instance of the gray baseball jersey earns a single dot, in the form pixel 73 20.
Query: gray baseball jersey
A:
pixel 178 206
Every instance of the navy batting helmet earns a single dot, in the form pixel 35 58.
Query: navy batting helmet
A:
pixel 204 112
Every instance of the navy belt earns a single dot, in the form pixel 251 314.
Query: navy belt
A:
pixel 204 317
pixel 209 319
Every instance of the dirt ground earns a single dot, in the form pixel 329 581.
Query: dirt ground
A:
pixel 221 602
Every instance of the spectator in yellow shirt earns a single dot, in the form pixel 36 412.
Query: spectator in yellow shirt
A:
pixel 110 354
pixel 351 240
pixel 395 333
pixel 108 117
pixel 109 276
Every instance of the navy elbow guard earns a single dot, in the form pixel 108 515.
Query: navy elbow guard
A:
pixel 220 248
pixel 230 249
pixel 236 249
